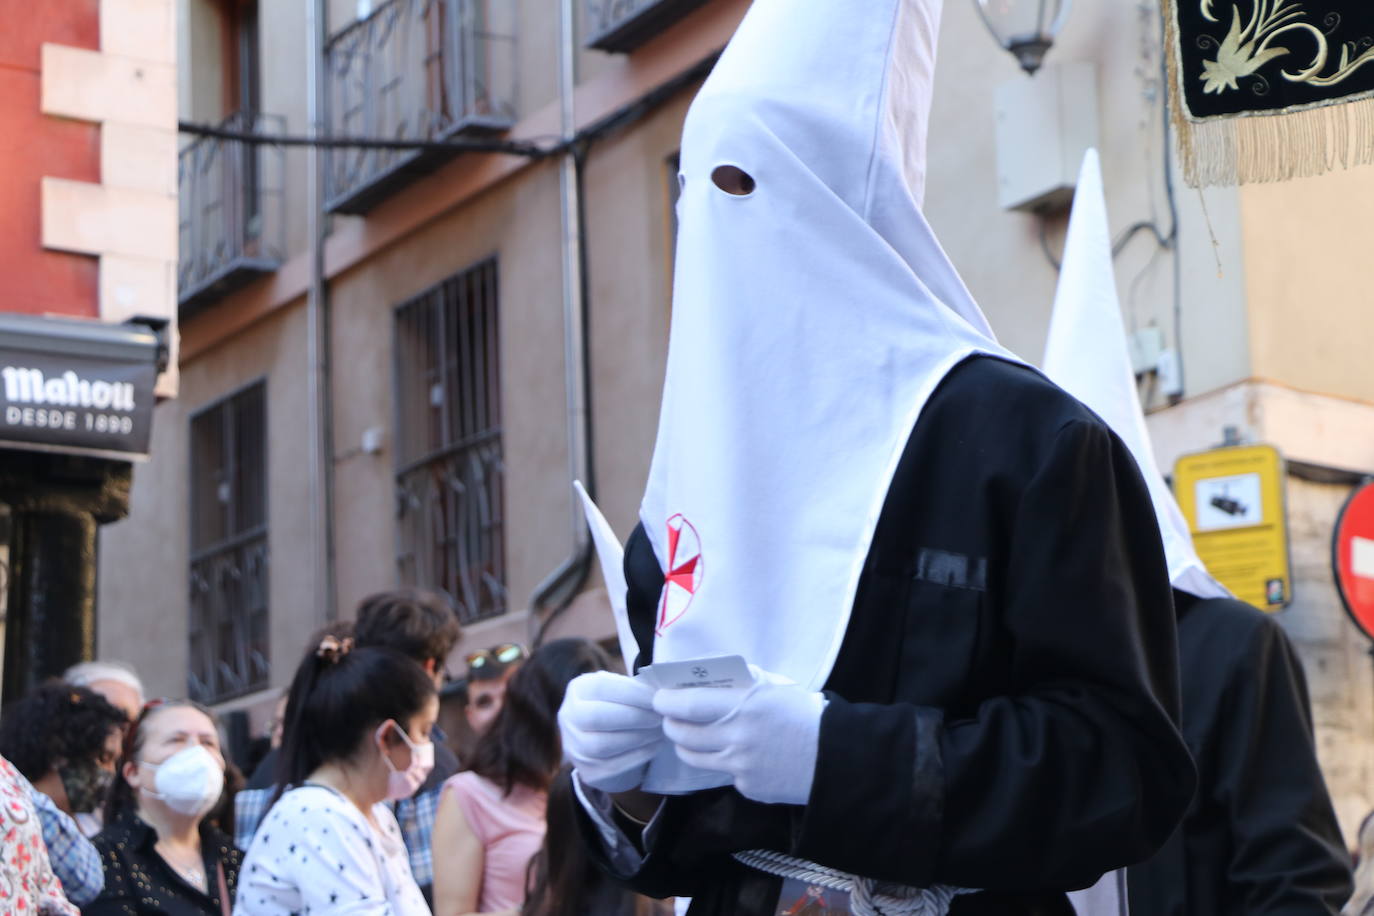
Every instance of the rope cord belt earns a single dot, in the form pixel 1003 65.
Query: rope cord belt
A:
pixel 867 897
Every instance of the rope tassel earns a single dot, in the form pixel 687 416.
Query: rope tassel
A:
pixel 866 896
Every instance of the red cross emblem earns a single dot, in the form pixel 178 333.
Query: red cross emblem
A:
pixel 683 578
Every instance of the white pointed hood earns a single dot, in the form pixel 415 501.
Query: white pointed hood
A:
pixel 1087 356
pixel 812 318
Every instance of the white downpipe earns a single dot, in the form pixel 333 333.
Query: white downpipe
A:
pixel 568 574
pixel 317 342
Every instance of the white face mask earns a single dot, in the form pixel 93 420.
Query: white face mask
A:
pixel 404 783
pixel 189 782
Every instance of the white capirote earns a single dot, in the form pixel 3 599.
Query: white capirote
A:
pixel 1087 356
pixel 813 316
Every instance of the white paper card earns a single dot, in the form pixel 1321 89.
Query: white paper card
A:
pixel 726 671
pixel 668 775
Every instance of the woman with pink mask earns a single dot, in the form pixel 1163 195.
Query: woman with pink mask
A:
pixel 357 736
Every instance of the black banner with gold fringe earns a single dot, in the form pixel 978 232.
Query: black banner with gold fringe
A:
pixel 1255 86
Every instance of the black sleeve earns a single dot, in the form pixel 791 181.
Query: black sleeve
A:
pixel 1079 768
pixel 1287 855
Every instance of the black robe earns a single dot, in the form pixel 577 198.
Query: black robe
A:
pixel 1260 836
pixel 1003 711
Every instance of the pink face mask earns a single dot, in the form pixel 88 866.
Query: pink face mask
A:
pixel 404 783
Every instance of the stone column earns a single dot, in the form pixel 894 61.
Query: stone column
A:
pixel 56 503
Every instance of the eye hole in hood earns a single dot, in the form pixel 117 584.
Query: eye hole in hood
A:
pixel 733 180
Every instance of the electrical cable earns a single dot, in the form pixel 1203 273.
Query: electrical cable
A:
pixel 1125 237
pixel 464 145
pixel 530 148
pixel 1044 221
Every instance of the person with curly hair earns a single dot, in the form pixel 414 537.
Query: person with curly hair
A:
pixel 65 741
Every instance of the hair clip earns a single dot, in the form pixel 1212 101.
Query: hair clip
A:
pixel 332 648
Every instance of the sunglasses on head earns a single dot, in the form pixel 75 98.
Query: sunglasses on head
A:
pixel 503 654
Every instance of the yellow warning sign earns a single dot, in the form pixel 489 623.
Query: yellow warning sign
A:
pixel 1233 499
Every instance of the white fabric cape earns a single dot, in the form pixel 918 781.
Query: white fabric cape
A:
pixel 1087 355
pixel 812 319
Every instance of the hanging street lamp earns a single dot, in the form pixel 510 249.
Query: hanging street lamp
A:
pixel 1026 28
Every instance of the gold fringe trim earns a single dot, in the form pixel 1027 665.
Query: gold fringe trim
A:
pixel 1259 148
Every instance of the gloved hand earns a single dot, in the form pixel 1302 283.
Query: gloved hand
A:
pixel 610 730
pixel 766 736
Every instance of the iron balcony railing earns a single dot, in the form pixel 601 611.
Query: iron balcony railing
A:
pixel 622 25
pixel 415 70
pixel 229 624
pixel 232 226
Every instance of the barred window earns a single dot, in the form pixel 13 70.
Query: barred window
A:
pixel 449 471
pixel 228 601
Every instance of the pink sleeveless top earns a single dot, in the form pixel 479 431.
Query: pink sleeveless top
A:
pixel 511 830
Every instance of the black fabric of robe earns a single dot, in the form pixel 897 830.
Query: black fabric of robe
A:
pixel 1003 711
pixel 1260 837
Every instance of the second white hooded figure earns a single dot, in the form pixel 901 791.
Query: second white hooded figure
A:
pixel 945 570
pixel 1260 836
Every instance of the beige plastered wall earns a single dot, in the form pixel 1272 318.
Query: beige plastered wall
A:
pixel 628 277
pixel 144 603
pixel 1311 302
pixel 998 252
pixel 518 222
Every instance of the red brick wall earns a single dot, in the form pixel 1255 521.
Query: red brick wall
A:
pixel 34 145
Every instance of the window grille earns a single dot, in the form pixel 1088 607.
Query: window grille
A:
pixel 229 558
pixel 449 471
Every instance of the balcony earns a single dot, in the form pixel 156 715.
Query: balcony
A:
pixel 231 223
pixel 415 70
pixel 620 26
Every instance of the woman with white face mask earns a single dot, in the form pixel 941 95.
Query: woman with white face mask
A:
pixel 357 733
pixel 159 853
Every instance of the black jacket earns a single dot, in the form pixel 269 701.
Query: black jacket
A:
pixel 139 883
pixel 1003 711
pixel 1260 836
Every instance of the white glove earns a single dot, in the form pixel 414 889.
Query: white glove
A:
pixel 767 738
pixel 610 730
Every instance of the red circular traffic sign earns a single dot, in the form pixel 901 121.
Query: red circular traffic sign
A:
pixel 1352 557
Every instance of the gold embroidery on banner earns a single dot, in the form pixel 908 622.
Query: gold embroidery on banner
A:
pixel 1246 49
